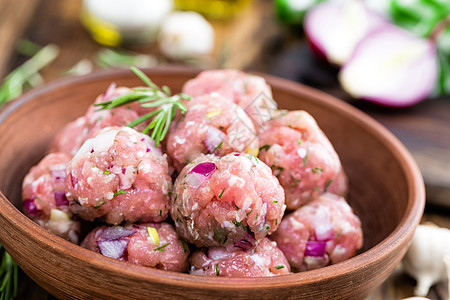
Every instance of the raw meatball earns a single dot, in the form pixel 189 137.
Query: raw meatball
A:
pixel 300 155
pixel 70 138
pixel 322 232
pixel 212 124
pixel 44 199
pixel 223 201
pixel 266 259
pixel 153 245
pixel 250 92
pixel 119 176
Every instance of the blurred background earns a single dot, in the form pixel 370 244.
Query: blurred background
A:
pixel 43 40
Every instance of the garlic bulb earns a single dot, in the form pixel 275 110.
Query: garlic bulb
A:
pixel 186 35
pixel 424 258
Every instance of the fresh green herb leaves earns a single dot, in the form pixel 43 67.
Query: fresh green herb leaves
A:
pixel 8 276
pixel 217 147
pixel 327 185
pixel 264 147
pixel 221 193
pixel 27 74
pixel 217 269
pixel 279 267
pixel 119 192
pixel 161 248
pixel 317 170
pixel 165 104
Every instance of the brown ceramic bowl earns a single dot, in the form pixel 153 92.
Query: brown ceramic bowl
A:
pixel 386 192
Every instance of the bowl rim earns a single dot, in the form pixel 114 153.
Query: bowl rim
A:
pixel 405 228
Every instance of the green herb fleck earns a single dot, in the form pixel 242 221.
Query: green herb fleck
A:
pixel 106 171
pixel 295 181
pixel 305 159
pixel 264 147
pixel 249 212
pixel 160 213
pixel 100 205
pixel 76 201
pixel 237 208
pixel 237 223
pixel 275 201
pixel 221 193
pixel 217 147
pixel 279 267
pixel 327 185
pixel 184 247
pixel 316 188
pixel 299 141
pixel 217 269
pixel 161 248
pixel 267 227
pixel 119 192
pixel 317 170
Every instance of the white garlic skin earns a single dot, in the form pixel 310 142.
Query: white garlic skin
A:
pixel 424 258
pixel 185 35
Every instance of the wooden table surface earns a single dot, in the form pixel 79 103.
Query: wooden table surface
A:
pixel 269 47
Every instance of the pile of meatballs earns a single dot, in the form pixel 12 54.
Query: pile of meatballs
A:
pixel 237 188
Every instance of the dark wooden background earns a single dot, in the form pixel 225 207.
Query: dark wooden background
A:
pixel 253 41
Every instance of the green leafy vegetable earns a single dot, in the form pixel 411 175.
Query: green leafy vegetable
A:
pixel 27 74
pixel 151 97
pixel 8 276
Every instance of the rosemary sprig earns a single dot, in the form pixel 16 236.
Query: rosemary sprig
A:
pixel 8 276
pixel 151 97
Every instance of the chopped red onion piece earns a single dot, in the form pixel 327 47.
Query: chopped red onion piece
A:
pixel 116 232
pixel 236 154
pixel 213 139
pixel 109 92
pixel 315 248
pixel 206 169
pixel 60 199
pixel 58 174
pixel 31 208
pixel 243 245
pixel 112 248
pixel 73 180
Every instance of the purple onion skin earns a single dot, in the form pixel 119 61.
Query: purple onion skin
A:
pixel 116 232
pixel 206 169
pixel 315 248
pixel 61 199
pixel 31 208
pixel 112 248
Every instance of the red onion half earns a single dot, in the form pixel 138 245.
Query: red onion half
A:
pixel 333 28
pixel 391 67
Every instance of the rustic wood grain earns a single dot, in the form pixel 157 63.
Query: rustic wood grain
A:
pixel 15 16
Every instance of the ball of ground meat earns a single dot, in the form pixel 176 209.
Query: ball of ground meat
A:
pixel 222 201
pixel 322 232
pixel 154 245
pixel 211 125
pixel 44 199
pixel 266 259
pixel 117 176
pixel 70 138
pixel 250 92
pixel 300 155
